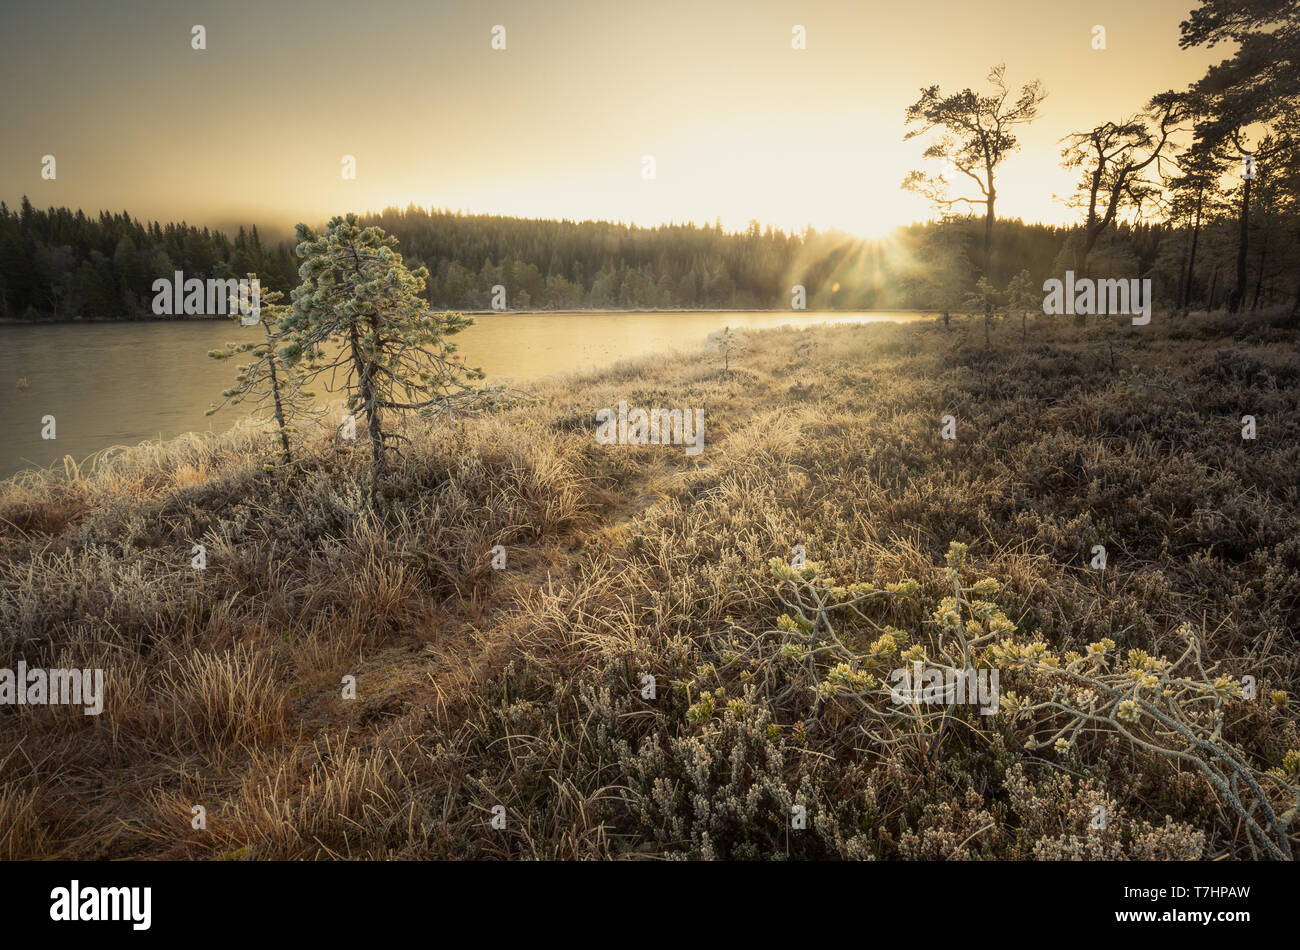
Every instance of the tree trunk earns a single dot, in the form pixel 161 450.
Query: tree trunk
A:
pixel 1243 244
pixel 366 384
pixel 1263 257
pixel 988 242
pixel 988 249
pixel 1090 236
pixel 1191 260
pixel 1182 273
pixel 1081 267
pixel 279 407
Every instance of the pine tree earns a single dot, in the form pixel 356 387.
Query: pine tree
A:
pixel 268 380
pixel 359 300
pixel 728 345
pixel 1022 296
pixel 984 297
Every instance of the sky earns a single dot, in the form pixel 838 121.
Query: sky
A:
pixel 558 124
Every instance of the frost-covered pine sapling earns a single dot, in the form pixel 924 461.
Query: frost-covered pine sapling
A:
pixel 1022 296
pixel 392 351
pixel 267 380
pixel 728 345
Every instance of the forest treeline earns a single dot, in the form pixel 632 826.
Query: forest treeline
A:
pixel 60 264
pixel 1196 189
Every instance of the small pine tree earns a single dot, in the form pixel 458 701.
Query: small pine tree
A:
pixel 269 381
pixel 359 301
pixel 984 297
pixel 728 344
pixel 947 268
pixel 1022 296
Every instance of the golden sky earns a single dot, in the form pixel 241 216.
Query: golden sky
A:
pixel 556 125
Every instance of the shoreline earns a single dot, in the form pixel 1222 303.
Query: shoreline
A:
pixel 82 454
pixel 10 321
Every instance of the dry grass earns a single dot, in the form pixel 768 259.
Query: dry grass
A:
pixel 522 688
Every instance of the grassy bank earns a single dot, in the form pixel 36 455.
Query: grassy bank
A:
pixel 524 687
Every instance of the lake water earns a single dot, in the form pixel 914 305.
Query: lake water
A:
pixel 122 383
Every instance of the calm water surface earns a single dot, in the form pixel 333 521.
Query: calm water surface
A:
pixel 121 383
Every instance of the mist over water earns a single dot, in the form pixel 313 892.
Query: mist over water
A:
pixel 122 383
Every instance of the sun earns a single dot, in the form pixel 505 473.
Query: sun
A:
pixel 877 230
